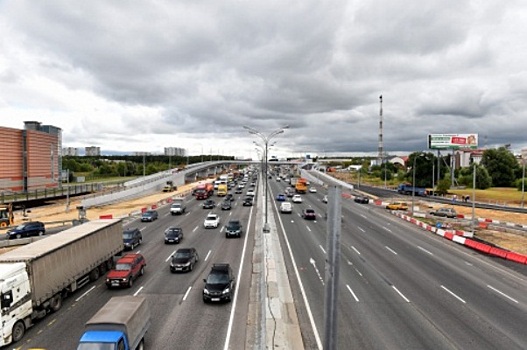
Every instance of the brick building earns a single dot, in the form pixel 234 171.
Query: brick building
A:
pixel 30 158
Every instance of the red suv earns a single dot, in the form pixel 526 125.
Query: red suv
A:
pixel 126 270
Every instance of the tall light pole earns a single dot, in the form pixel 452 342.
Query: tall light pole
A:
pixel 266 139
pixel 524 156
pixel 472 221
pixel 413 181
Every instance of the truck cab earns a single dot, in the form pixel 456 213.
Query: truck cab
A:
pixel 107 340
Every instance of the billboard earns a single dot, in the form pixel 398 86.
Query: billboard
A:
pixel 452 141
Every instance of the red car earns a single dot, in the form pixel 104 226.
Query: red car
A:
pixel 126 270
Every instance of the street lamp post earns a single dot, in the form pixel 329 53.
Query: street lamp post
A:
pixel 524 156
pixel 413 182
pixel 266 139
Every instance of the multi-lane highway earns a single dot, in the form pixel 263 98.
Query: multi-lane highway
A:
pixel 180 318
pixel 401 287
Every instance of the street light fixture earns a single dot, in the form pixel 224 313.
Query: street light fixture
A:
pixel 266 139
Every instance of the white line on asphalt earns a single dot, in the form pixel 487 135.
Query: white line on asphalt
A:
pixel 424 250
pixel 208 255
pixel 364 216
pixel 221 229
pixel 360 228
pixel 355 249
pixel 353 294
pixel 387 229
pixel 139 251
pixel 312 262
pixel 358 272
pixel 500 292
pixel 186 293
pixel 469 264
pixel 453 294
pixel 391 250
pixel 85 293
pixel 195 228
pixel 170 256
pixel 401 294
pixel 138 291
pixel 308 228
pixel 322 248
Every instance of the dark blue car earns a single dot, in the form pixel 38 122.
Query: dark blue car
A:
pixel 280 197
pixel 27 229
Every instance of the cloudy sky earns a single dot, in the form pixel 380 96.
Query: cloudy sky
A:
pixel 144 75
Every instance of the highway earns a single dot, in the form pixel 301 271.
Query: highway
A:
pixel 180 318
pixel 401 287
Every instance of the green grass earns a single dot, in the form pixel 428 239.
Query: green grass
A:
pixel 507 195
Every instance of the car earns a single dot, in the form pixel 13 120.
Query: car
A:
pixel 325 199
pixel 27 229
pixel 127 269
pixel 173 235
pixel 229 197
pixel 312 190
pixel 253 184
pixel 250 193
pixel 219 284
pixel 149 215
pixel 178 208
pixel 278 179
pixel 397 206
pixel 238 190
pixel 226 205
pixel 297 198
pixel 248 202
pixel 184 259
pixel 132 237
pixel 309 214
pixel 233 229
pixel 286 207
pixel 208 204
pixel 280 197
pixel 445 212
pixel 211 221
pixel 361 199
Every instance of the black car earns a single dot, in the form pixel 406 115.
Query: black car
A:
pixel 309 214
pixel 184 259
pixel 219 284
pixel 233 229
pixel 238 190
pixel 132 237
pixel 248 201
pixel 173 235
pixel 226 205
pixel 229 197
pixel 208 204
pixel 361 199
pixel 149 215
pixel 27 229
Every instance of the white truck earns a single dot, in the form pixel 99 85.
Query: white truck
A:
pixel 120 324
pixel 36 277
pixel 178 206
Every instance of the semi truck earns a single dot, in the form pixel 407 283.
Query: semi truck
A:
pixel 408 189
pixel 120 324
pixel 36 277
pixel 204 191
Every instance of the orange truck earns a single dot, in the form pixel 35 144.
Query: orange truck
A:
pixel 204 191
pixel 301 185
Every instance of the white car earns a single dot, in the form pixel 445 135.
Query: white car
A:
pixel 286 207
pixel 297 198
pixel 250 193
pixel 211 221
pixel 312 190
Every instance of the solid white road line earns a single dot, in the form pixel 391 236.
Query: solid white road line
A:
pixel 186 293
pixel 454 295
pixel 426 251
pixel 138 291
pixel 503 294
pixel 208 254
pixel 352 293
pixel 401 294
pixel 85 293
pixel 391 250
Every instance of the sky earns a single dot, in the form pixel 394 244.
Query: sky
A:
pixel 136 76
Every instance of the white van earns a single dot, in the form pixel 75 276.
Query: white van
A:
pixel 286 207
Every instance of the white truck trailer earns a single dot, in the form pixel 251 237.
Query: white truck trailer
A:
pixel 120 324
pixel 36 277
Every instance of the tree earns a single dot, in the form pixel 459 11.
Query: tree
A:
pixel 503 166
pixel 443 186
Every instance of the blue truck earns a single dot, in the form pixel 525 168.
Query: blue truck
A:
pixel 121 324
pixel 408 189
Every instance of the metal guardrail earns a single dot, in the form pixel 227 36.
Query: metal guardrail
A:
pixel 12 197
